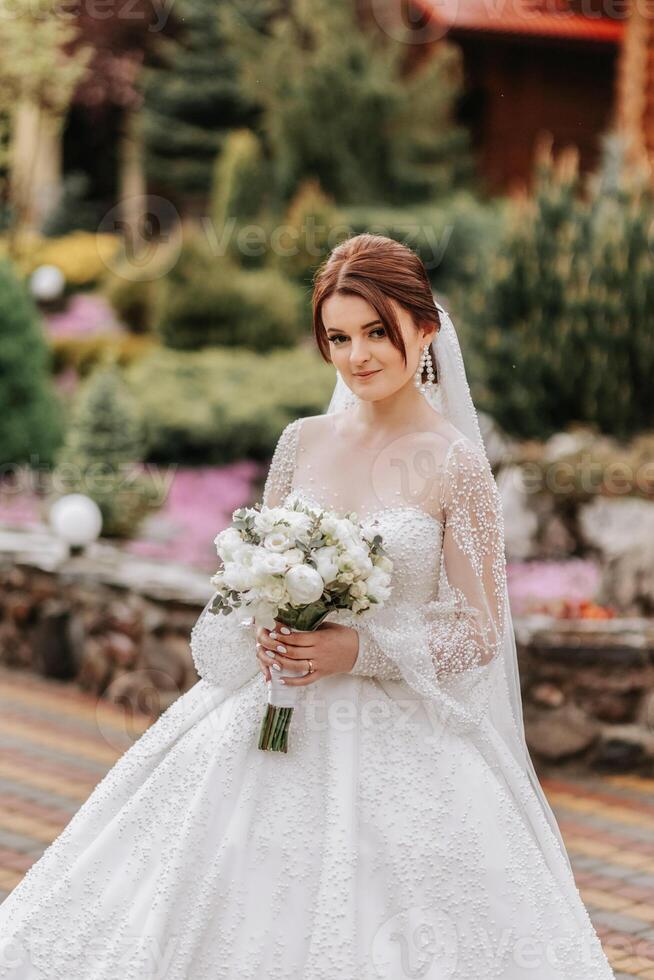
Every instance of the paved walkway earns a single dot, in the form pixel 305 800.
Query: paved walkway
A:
pixel 57 742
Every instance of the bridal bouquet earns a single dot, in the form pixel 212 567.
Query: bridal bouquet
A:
pixel 295 565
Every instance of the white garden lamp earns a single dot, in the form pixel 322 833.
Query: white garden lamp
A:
pixel 76 519
pixel 47 283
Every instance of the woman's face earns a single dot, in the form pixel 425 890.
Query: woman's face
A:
pixel 358 343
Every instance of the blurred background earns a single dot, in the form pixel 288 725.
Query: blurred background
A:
pixel 171 175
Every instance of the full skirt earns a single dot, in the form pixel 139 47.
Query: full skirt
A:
pixel 371 849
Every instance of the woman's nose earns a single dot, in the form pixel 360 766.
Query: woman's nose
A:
pixel 360 354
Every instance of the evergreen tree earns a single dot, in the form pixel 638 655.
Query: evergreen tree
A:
pixel 339 105
pixel 104 443
pixel 240 198
pixel 561 319
pixel 192 98
pixel 32 419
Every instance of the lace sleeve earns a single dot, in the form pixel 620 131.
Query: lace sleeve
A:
pixel 371 660
pixel 445 649
pixel 222 646
pixel 466 623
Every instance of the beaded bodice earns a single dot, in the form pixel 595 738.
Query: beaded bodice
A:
pixel 412 539
pixel 446 615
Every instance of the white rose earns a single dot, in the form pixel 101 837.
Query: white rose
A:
pixel 263 612
pixel 378 585
pixel 294 556
pixel 227 542
pixel 304 584
pixel 357 560
pixel 299 522
pixel 236 576
pixel 267 563
pixel 341 530
pixel 327 562
pixel 274 592
pixel 266 519
pixel 281 539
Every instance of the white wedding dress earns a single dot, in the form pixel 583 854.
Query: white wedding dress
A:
pixel 386 843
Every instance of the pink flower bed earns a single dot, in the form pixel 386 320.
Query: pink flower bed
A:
pixel 19 509
pixel 541 586
pixel 86 315
pixel 200 503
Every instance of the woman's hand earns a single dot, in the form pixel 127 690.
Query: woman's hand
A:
pixel 332 648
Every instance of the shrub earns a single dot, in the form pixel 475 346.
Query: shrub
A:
pixel 103 445
pixel 309 223
pixel 453 238
pixel 132 284
pixel 239 196
pixel 222 405
pixel 206 303
pixel 32 419
pixel 561 318
pixel 83 354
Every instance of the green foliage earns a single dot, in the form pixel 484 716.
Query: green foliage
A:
pixel 561 318
pixel 221 405
pixel 309 225
pixel 238 197
pixel 83 354
pixel 103 447
pixel 338 104
pixel 134 300
pixel 131 284
pixel 452 237
pixel 205 302
pixel 191 97
pixel 31 414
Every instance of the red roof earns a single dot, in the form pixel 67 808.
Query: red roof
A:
pixel 525 17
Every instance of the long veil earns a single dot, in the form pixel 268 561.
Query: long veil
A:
pixel 451 397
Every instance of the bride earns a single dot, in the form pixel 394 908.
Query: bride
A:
pixel 404 833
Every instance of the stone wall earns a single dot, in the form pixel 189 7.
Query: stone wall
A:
pixel 588 691
pixel 118 625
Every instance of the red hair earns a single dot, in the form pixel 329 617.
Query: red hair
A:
pixel 377 269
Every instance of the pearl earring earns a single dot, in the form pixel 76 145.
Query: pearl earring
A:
pixel 424 364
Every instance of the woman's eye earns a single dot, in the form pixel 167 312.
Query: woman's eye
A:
pixel 338 337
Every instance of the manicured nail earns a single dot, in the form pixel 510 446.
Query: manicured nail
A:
pixel 280 648
pixel 281 680
pixel 273 635
pixel 271 653
pixel 285 630
pixel 276 666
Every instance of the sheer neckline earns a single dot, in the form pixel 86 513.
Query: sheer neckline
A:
pixel 373 515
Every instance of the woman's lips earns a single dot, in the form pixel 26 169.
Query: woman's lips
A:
pixel 368 374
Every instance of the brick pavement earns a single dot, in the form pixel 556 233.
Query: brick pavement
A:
pixel 56 743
